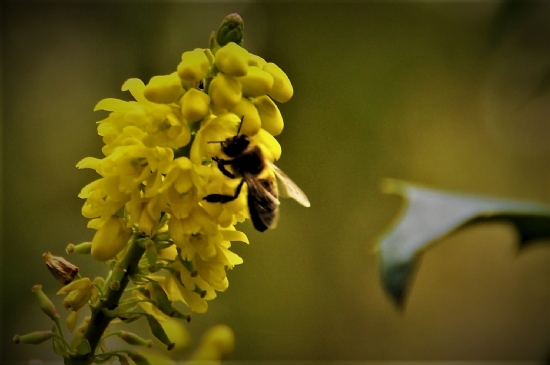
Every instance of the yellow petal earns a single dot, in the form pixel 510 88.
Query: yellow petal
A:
pixel 251 122
pixel 164 89
pixel 272 120
pixel 195 105
pixel 229 235
pixel 256 82
pixel 232 59
pixel 110 239
pixel 194 65
pixel 225 91
pixel 254 60
pixel 136 87
pixel 269 145
pixel 282 88
pixel 114 105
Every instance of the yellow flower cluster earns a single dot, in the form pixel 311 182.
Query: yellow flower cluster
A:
pixel 158 165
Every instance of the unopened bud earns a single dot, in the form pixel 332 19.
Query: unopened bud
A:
pixel 33 338
pixel 231 30
pixel 61 269
pixel 133 339
pixel 45 303
pixel 84 248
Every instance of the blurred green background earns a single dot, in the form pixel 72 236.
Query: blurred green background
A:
pixel 452 95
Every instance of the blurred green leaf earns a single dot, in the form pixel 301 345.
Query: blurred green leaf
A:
pixel 429 215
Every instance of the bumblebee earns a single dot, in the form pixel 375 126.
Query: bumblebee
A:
pixel 248 162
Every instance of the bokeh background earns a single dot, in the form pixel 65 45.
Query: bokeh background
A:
pixel 451 95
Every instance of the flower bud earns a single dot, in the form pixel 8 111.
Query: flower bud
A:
pixel 225 91
pixel 133 339
pixel 251 123
pixel 194 65
pixel 60 268
pixel 231 30
pixel 232 60
pixel 282 88
pixel 164 89
pixel 272 120
pixel 33 338
pixel 256 82
pixel 82 248
pixel 195 105
pixel 45 303
pixel 110 239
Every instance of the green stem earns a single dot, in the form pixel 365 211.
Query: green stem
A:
pixel 100 320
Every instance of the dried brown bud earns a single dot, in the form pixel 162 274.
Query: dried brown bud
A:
pixel 60 268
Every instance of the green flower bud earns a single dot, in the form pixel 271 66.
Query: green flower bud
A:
pixel 45 303
pixel 164 89
pixel 225 91
pixel 272 120
pixel 33 338
pixel 133 339
pixel 195 105
pixel 110 239
pixel 82 248
pixel 282 89
pixel 231 30
pixel 232 60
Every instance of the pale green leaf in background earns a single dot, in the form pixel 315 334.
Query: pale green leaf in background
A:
pixel 429 215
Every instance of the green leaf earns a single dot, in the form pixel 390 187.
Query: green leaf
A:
pixel 430 215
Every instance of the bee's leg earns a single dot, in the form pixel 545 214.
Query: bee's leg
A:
pixel 221 165
pixel 220 198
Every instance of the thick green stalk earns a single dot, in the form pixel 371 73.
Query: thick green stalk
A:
pixel 100 320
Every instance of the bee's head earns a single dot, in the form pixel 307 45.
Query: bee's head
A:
pixel 234 146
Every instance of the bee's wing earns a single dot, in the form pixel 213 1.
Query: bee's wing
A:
pixel 262 202
pixel 288 188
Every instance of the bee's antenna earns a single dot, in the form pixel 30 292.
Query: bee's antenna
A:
pixel 215 142
pixel 240 125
